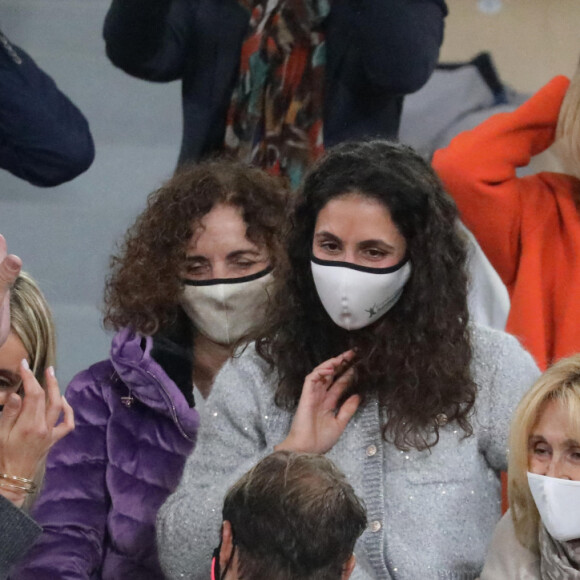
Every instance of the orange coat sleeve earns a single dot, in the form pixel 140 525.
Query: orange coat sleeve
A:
pixel 478 169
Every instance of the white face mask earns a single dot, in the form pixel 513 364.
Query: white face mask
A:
pixel 558 501
pixel 226 310
pixel 355 296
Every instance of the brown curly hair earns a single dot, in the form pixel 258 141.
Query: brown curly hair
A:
pixel 417 357
pixel 143 288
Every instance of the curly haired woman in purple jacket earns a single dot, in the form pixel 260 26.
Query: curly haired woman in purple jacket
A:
pixel 189 284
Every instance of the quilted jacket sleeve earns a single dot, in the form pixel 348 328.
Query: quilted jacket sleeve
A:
pixel 73 506
pixel 479 166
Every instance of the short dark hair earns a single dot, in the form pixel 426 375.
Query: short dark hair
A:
pixel 294 517
pixel 144 286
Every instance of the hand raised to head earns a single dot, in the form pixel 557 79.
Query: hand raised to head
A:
pixel 28 426
pixel 9 269
pixel 319 420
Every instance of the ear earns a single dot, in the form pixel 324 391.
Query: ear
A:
pixel 348 567
pixel 227 544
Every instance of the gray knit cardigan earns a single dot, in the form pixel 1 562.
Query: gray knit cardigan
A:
pixel 17 533
pixel 431 513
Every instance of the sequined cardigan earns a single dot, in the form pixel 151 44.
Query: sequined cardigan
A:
pixel 431 513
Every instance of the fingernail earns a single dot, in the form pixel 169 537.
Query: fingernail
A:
pixel 25 365
pixel 51 371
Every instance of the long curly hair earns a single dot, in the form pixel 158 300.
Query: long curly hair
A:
pixel 144 285
pixel 417 357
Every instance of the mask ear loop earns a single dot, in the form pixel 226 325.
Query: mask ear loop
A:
pixel 216 572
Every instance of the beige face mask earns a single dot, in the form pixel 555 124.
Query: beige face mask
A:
pixel 227 310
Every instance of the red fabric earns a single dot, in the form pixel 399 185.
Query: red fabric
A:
pixel 528 227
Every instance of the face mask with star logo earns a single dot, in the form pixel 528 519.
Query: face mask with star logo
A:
pixel 355 296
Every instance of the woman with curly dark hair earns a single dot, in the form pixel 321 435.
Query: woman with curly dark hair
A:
pixel 409 398
pixel 190 283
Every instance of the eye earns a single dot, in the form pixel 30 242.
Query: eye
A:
pixel 375 253
pixel 575 455
pixel 244 263
pixel 7 383
pixel 542 450
pixel 195 268
pixel 330 246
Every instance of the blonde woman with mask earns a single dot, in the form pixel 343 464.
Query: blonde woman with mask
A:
pixel 539 538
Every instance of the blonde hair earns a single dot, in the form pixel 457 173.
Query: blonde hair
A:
pixel 560 383
pixel 31 320
pixel 567 139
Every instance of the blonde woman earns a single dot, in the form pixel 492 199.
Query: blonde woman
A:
pixel 27 425
pixel 540 536
pixel 31 338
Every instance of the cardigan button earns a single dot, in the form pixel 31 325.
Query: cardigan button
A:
pixel 375 526
pixel 371 450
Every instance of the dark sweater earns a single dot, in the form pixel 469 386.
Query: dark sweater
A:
pixel 377 51
pixel 44 138
pixel 17 533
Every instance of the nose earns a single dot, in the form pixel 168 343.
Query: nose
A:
pixel 556 469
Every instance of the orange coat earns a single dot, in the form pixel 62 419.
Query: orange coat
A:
pixel 528 227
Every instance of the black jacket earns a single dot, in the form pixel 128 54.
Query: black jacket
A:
pixel 377 51
pixel 44 138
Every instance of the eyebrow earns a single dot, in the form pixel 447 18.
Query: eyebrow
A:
pixel 12 377
pixel 363 244
pixel 230 256
pixel 541 439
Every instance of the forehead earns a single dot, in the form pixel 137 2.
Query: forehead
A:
pixel 356 213
pixel 11 353
pixel 221 230
pixel 557 419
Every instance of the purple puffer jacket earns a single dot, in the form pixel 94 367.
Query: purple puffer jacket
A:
pixel 106 480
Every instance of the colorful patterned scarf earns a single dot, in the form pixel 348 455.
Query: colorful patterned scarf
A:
pixel 558 560
pixel 275 115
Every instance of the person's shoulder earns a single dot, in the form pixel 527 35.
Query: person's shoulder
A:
pixel 490 343
pixel 507 558
pixel 500 354
pixel 91 380
pixel 246 360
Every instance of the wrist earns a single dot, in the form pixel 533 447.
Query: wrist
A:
pixel 16 497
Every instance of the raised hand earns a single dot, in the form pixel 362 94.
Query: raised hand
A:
pixel 9 269
pixel 28 427
pixel 319 421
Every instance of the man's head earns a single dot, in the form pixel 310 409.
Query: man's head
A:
pixel 291 517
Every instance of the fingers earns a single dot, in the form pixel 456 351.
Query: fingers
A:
pixel 10 414
pixel 34 400
pixel 9 269
pixel 67 424
pixel 347 410
pixel 55 405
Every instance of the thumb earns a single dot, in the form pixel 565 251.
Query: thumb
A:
pixel 11 412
